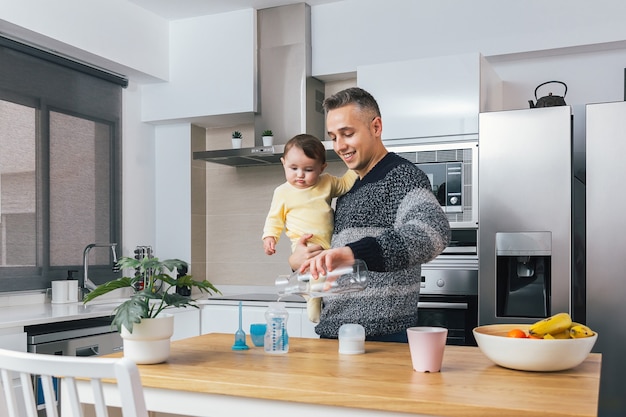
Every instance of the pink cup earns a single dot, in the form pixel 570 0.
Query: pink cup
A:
pixel 427 345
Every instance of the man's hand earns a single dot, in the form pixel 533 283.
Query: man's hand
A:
pixel 327 261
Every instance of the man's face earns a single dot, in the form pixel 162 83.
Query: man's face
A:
pixel 355 135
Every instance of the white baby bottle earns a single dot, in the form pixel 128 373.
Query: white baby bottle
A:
pixel 276 337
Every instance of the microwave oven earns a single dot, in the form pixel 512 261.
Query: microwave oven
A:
pixel 452 168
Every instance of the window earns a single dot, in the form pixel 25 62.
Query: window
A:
pixel 60 167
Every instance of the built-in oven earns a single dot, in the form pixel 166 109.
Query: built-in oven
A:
pixel 449 298
pixel 452 168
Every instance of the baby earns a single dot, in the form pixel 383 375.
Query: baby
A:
pixel 302 204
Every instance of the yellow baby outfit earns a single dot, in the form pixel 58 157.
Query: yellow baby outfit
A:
pixel 302 211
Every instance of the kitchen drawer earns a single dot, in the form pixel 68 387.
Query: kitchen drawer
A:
pixel 13 339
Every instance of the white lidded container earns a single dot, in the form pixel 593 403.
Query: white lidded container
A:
pixel 351 339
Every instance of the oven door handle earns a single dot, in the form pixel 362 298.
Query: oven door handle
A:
pixel 446 306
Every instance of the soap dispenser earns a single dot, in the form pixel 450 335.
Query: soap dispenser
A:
pixel 72 286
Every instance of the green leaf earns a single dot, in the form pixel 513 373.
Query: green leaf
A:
pixel 170 264
pixel 206 286
pixel 128 313
pixel 128 263
pixel 107 287
pixel 177 300
pixel 147 294
pixel 185 281
pixel 167 279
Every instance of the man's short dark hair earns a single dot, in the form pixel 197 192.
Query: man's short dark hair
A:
pixel 354 95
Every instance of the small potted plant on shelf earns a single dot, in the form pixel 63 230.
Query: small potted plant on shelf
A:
pixel 143 316
pixel 268 138
pixel 237 137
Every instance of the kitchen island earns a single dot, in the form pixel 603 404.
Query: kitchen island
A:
pixel 204 377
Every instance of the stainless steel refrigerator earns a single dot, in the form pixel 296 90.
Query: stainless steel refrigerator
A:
pixel 606 248
pixel 531 217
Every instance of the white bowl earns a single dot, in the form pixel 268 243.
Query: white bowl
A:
pixel 526 354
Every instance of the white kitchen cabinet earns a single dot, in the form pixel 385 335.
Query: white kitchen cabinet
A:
pixel 186 322
pixel 307 328
pixel 12 339
pixel 432 97
pixel 223 317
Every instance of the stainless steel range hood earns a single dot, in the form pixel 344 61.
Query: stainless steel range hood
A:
pixel 290 99
pixel 260 155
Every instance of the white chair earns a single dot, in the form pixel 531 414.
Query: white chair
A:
pixel 69 369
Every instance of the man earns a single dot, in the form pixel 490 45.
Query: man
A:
pixel 390 219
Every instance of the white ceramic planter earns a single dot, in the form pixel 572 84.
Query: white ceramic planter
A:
pixel 149 343
pixel 237 143
pixel 268 140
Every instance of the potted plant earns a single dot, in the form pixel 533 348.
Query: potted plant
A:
pixel 143 318
pixel 237 137
pixel 268 137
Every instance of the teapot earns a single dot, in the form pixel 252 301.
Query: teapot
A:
pixel 549 100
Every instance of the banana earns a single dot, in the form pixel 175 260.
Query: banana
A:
pixel 580 330
pixel 559 326
pixel 551 325
pixel 562 335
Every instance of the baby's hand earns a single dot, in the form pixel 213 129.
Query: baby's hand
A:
pixel 269 245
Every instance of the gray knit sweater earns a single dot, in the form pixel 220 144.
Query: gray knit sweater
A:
pixel 392 221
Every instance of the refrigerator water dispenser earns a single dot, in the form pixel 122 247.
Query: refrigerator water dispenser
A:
pixel 523 274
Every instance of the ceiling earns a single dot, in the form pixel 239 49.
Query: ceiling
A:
pixel 182 9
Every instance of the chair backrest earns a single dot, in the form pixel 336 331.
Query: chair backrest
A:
pixel 120 373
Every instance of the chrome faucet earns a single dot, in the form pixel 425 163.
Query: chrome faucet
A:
pixel 87 284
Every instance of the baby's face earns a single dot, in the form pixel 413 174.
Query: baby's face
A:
pixel 300 170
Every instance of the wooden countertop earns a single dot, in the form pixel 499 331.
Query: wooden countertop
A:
pixel 382 379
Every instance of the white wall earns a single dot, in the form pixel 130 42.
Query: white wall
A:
pixel 593 76
pixel 172 198
pixel 114 34
pixel 138 175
